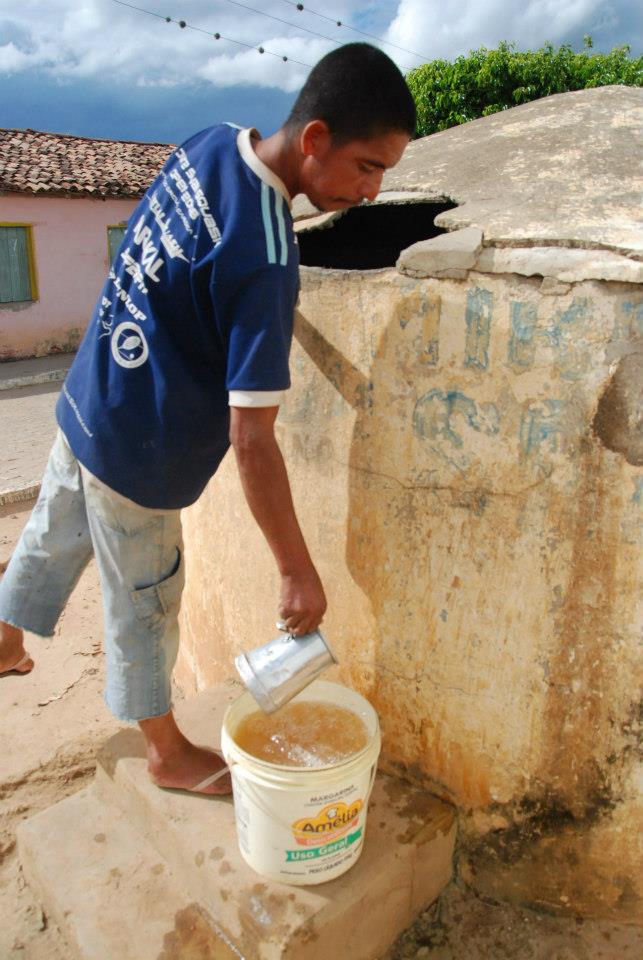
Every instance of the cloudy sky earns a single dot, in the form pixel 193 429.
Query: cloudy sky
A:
pixel 101 68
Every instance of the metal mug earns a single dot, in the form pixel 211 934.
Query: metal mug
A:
pixel 281 668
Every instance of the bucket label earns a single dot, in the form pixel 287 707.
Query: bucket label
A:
pixel 332 822
pixel 316 852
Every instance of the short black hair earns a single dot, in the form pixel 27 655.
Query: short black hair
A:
pixel 359 92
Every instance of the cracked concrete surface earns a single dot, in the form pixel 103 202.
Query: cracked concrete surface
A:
pixel 452 255
pixel 554 187
pixel 561 170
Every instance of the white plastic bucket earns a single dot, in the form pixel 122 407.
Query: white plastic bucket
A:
pixel 301 825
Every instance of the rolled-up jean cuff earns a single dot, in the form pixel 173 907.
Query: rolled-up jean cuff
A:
pixel 126 718
pixel 23 623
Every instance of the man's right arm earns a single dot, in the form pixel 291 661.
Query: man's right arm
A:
pixel 265 483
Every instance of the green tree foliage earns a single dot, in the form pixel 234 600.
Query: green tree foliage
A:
pixel 486 81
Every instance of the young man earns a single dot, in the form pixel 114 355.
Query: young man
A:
pixel 187 353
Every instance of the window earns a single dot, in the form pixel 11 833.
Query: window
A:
pixel 114 236
pixel 17 276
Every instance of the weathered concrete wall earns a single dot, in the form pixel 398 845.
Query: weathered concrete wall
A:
pixel 71 261
pixel 466 476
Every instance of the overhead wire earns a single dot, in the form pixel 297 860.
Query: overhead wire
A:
pixel 288 23
pixel 184 25
pixel 300 7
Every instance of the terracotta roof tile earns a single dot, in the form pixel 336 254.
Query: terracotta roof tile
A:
pixel 54 163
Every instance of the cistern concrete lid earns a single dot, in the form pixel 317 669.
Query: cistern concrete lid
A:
pixel 552 188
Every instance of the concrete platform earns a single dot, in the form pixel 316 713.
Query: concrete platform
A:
pixel 107 890
pixel 405 863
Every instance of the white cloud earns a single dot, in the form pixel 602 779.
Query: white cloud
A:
pixel 446 30
pixel 249 67
pixel 100 39
pixel 12 60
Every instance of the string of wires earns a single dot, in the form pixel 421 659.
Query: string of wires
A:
pixel 340 23
pixel 184 25
pixel 245 6
pixel 298 6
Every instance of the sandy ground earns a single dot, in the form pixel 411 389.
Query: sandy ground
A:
pixel 462 927
pixel 52 722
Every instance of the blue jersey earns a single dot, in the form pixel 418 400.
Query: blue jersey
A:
pixel 196 313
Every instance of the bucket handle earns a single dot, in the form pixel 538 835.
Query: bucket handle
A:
pixel 372 782
pixel 248 788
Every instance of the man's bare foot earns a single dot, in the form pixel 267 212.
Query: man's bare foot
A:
pixel 172 761
pixel 13 656
pixel 189 769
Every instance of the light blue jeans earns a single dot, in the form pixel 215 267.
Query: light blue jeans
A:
pixel 139 553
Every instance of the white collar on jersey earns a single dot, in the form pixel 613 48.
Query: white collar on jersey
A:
pixel 256 165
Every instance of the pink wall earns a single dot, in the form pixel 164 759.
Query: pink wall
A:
pixel 71 261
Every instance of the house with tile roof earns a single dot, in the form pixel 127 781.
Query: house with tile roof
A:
pixel 64 205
